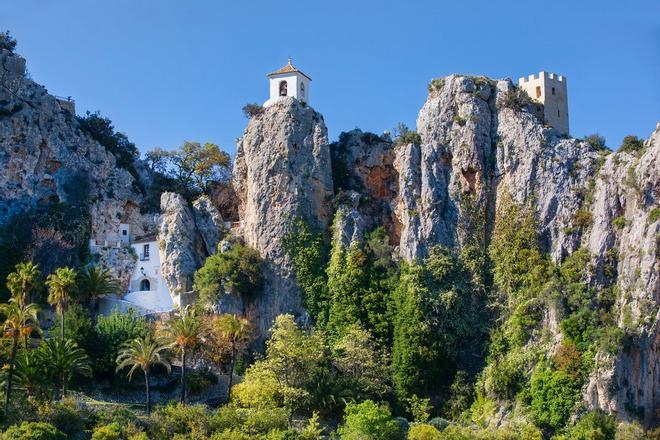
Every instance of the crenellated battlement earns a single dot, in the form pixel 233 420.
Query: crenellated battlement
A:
pixel 541 75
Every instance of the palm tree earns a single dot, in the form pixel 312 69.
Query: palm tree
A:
pixel 61 286
pixel 95 281
pixel 63 359
pixel 235 332
pixel 19 321
pixel 142 353
pixel 30 373
pixel 184 332
pixel 23 282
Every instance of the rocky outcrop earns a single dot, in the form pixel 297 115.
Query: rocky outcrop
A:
pixel 472 148
pixel 180 249
pixel 364 163
pixel 209 223
pixel 282 170
pixel 624 239
pixel 46 158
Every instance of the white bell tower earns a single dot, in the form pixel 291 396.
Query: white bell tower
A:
pixel 288 81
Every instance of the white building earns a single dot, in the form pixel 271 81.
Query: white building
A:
pixel 147 287
pixel 288 81
pixel 550 90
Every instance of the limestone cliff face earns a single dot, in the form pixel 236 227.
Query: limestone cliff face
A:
pixel 626 235
pixel 282 169
pixel 473 148
pixel 45 157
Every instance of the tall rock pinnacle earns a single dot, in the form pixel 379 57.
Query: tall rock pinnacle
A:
pixel 282 170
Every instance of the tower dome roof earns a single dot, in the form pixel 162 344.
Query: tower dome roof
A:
pixel 289 68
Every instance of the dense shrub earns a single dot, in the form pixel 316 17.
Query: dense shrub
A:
pixel 238 271
pixel 369 420
pixel 423 431
pixel 594 425
pixel 176 418
pixel 405 136
pixel 33 431
pixel 654 215
pixel 102 130
pixel 111 431
pixel 252 110
pixel 596 141
pixel 436 85
pixel 7 41
pixel 553 396
pixel 516 99
pixel 631 144
pixel 111 332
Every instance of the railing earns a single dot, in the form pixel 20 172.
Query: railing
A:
pixel 64 98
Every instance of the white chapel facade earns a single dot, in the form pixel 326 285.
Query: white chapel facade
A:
pixel 288 81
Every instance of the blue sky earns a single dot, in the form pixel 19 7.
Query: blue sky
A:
pixel 166 71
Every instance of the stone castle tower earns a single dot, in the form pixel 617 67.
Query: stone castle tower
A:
pixel 549 89
pixel 288 81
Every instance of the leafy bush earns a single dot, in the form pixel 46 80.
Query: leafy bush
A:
pixel 423 431
pixel 596 141
pixel 7 41
pixel 516 99
pixel 252 110
pixel 111 333
pixel 595 425
pixel 238 270
pixel 405 136
pixel 66 415
pixel 176 418
pixel 102 130
pixel 33 431
pixel 654 215
pixel 619 222
pixel 553 396
pixel 436 85
pixel 631 144
pixel 582 219
pixel 369 420
pixel 111 431
pixel 199 381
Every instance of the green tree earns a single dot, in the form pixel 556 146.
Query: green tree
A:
pixel 193 166
pixel 61 288
pixel 235 333
pixel 184 332
pixel 64 360
pixel 414 351
pixel 284 377
pixel 308 253
pixel 24 282
pixel 347 283
pixel 553 396
pixel 362 364
pixel 19 321
pixel 368 420
pixel 111 332
pixel 238 270
pixel 142 353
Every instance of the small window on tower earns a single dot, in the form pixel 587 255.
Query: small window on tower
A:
pixel 302 90
pixel 553 90
pixel 283 87
pixel 123 232
pixel 558 114
pixel 538 91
